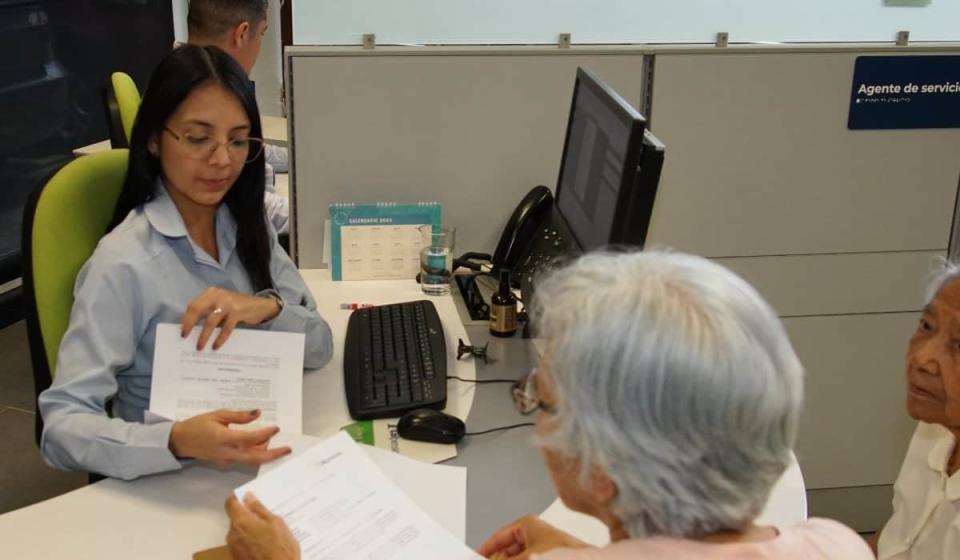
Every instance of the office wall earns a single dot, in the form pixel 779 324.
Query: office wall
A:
pixel 268 71
pixel 342 22
pixel 180 20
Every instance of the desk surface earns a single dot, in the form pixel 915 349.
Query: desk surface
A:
pixel 281 182
pixel 175 514
pixel 274 129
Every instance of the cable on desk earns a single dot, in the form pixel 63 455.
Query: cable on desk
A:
pixel 483 276
pixel 481 380
pixel 500 429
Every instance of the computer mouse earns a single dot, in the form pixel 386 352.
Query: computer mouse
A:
pixel 427 424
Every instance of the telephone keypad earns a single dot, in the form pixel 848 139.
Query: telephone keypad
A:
pixel 543 253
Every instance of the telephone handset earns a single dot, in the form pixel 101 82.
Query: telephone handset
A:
pixel 533 239
pixel 521 230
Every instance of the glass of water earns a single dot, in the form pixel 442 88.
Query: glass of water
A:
pixel 436 259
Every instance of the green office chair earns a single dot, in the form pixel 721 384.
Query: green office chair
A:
pixel 123 102
pixel 63 221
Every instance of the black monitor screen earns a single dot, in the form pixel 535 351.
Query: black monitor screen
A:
pixel 600 158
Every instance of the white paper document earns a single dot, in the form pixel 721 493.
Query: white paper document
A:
pixel 339 505
pixel 439 490
pixel 253 369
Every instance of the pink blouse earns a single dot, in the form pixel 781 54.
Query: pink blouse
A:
pixel 814 539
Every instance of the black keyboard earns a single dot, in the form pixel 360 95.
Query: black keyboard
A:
pixel 394 360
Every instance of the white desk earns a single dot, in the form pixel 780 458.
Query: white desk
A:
pixel 175 514
pixel 274 129
pixel 101 146
pixel 324 408
pixel 281 182
pixel 274 132
pixel 165 516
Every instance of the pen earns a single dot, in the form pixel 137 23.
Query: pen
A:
pixel 355 305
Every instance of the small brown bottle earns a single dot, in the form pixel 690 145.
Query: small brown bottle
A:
pixel 503 309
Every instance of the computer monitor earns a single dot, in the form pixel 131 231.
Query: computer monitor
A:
pixel 610 168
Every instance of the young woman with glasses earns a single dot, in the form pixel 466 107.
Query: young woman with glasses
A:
pixel 189 244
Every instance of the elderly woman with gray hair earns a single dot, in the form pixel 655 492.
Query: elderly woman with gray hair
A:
pixel 926 497
pixel 668 402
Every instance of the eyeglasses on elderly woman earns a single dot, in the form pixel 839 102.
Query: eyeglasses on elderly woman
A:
pixel 525 397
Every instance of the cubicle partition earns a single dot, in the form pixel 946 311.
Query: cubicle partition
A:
pixel 837 228
pixel 473 129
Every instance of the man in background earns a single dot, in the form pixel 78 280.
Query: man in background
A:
pixel 237 27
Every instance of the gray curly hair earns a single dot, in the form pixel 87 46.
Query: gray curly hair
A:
pixel 676 379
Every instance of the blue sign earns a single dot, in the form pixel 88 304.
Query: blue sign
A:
pixel 894 92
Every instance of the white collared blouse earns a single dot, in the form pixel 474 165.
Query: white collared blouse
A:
pixel 926 503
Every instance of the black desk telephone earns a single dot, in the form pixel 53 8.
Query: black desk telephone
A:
pixel 533 237
pixel 524 224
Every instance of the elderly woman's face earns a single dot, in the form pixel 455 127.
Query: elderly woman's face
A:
pixel 933 361
pixel 564 471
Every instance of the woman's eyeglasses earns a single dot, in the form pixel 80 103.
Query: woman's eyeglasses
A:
pixel 525 396
pixel 203 147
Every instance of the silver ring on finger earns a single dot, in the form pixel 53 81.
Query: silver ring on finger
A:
pixel 217 311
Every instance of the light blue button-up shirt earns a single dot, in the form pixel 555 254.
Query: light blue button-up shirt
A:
pixel 144 272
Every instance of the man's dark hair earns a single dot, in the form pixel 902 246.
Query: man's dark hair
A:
pixel 212 18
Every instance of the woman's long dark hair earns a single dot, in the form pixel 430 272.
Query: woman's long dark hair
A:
pixel 178 74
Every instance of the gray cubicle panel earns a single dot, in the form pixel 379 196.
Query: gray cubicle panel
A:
pixel 472 128
pixel 839 229
pixel 763 136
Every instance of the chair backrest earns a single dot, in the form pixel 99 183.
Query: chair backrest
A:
pixel 118 138
pixel 127 97
pixel 63 221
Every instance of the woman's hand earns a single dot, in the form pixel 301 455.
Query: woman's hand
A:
pixel 219 307
pixel 207 437
pixel 257 534
pixel 526 536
